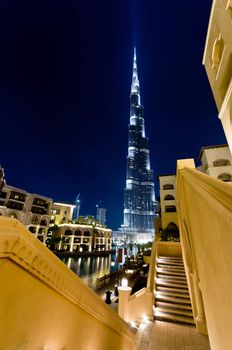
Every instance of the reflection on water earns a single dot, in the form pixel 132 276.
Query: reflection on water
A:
pixel 90 268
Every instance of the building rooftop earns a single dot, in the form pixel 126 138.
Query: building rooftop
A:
pixel 210 147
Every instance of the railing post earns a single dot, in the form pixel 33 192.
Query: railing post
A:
pixel 123 302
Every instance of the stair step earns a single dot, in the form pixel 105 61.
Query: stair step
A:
pixel 173 305
pixel 172 294
pixel 171 267
pixel 169 299
pixel 186 313
pixel 174 318
pixel 167 261
pixel 168 284
pixel 170 257
pixel 168 272
pixel 170 262
pixel 171 277
pixel 168 290
pixel 171 282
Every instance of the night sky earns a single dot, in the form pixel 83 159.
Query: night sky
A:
pixel 65 76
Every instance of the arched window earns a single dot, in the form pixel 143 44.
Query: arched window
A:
pixel 169 197
pixel 171 233
pixel 170 208
pixel 225 177
pixel 41 230
pixel 32 229
pixel 217 50
pixel 221 162
pixel 35 220
pixel 168 187
pixel 13 215
pixel 43 222
pixel 78 233
pixel 68 232
pixel 87 233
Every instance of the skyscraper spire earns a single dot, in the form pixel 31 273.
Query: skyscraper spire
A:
pixel 135 80
pixel 139 195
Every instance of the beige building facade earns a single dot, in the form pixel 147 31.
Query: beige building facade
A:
pixel 218 61
pixel 32 210
pixel 168 207
pixel 79 238
pixel 61 213
pixel 216 162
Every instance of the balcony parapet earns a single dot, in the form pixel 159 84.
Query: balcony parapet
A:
pixel 205 222
pixel 22 248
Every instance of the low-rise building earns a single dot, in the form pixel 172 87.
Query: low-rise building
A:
pixel 61 213
pixel 78 237
pixel 168 207
pixel 32 210
pixel 216 162
pixel 168 221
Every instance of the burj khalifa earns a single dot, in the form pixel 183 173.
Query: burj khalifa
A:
pixel 139 194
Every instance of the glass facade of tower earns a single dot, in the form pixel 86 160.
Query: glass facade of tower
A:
pixel 139 194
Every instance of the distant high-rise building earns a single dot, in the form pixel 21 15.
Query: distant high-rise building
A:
pixel 139 194
pixel 101 215
pixel 76 211
pixel 2 181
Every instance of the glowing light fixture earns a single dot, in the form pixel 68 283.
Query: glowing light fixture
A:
pixel 145 318
pixel 124 282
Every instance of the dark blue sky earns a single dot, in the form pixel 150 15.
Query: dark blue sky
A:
pixel 65 75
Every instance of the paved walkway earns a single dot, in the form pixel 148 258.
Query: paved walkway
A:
pixel 160 335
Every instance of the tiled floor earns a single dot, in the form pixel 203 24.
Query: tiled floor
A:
pixel 160 335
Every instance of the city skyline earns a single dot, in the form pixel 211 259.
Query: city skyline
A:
pixel 65 82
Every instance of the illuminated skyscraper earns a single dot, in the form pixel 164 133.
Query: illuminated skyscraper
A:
pixel 101 215
pixel 139 195
pixel 2 181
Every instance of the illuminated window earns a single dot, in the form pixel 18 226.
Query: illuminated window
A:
pixel 35 220
pixel 78 233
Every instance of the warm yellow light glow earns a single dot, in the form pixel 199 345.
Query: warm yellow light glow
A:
pixel 124 282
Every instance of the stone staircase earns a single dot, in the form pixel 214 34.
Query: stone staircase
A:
pixel 172 301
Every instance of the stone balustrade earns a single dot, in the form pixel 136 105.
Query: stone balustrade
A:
pixel 44 305
pixel 205 222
